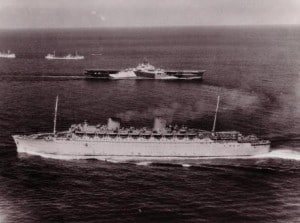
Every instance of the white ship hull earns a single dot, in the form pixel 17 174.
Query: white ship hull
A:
pixel 10 56
pixel 118 148
pixel 64 58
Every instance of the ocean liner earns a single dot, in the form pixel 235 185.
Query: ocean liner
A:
pixel 111 141
pixel 145 71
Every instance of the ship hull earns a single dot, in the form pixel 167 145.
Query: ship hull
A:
pixel 64 58
pixel 135 149
pixel 8 56
pixel 144 74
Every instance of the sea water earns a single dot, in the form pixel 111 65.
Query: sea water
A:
pixel 256 72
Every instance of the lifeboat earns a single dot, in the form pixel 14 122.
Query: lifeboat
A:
pixel 168 136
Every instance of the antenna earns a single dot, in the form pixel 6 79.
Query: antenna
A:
pixel 215 120
pixel 55 116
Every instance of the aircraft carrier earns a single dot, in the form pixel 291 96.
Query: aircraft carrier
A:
pixel 162 141
pixel 144 71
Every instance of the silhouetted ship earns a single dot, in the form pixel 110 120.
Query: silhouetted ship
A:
pixel 68 57
pixel 111 141
pixel 7 55
pixel 144 71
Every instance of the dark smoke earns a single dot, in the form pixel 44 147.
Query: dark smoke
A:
pixel 188 110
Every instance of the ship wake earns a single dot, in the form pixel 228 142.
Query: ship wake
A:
pixel 281 154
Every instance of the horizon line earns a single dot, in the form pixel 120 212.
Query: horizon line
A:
pixel 146 27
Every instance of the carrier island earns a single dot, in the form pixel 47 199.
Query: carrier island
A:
pixel 111 141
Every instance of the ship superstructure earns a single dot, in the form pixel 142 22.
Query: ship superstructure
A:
pixel 146 70
pixel 160 142
pixel 67 57
pixel 7 54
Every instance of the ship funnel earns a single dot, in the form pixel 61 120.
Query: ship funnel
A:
pixel 145 61
pixel 113 124
pixel 159 124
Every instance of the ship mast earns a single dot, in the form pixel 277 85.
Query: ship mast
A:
pixel 55 116
pixel 215 120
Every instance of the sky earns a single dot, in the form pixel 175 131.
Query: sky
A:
pixel 146 13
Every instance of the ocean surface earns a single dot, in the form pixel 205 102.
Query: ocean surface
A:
pixel 256 72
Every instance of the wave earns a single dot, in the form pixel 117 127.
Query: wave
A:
pixel 146 163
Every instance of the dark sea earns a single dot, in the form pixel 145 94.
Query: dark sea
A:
pixel 256 72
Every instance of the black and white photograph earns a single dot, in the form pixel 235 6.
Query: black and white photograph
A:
pixel 150 111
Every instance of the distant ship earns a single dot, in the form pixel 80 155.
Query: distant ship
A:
pixel 111 141
pixel 145 71
pixel 68 57
pixel 7 55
